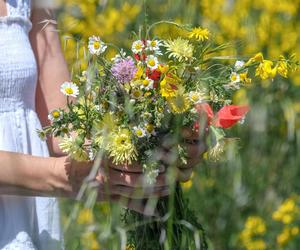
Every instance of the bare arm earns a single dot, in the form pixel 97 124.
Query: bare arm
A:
pixel 22 174
pixel 52 69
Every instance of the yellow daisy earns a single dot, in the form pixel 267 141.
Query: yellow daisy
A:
pixel 180 49
pixel 199 34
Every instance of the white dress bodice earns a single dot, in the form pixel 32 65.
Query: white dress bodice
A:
pixel 26 223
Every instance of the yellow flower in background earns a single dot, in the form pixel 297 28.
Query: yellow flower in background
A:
pixel 282 67
pixel 265 70
pixel 85 216
pixel 199 34
pixel 89 241
pixel 179 49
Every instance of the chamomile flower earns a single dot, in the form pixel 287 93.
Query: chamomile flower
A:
pixel 180 49
pixel 137 47
pixel 199 34
pixel 153 45
pixel 238 65
pixel 152 62
pixel 55 115
pixel 139 132
pixel 235 77
pixel 69 89
pixel 96 46
pixel 136 93
pixel 196 97
pixel 147 84
pixel 150 129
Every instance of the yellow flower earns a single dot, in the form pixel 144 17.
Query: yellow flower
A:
pixel 199 34
pixel 85 216
pixel 179 103
pixel 282 67
pixel 70 146
pixel 244 78
pixel 257 58
pixel 180 49
pixel 139 73
pixel 169 86
pixel 284 237
pixel 265 70
pixel 89 240
pixel 130 247
pixel 120 147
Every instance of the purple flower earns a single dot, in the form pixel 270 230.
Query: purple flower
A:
pixel 124 70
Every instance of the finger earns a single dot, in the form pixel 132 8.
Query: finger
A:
pixel 133 179
pixel 184 175
pixel 141 206
pixel 135 193
pixel 134 167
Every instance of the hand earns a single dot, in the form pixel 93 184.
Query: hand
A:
pixel 194 145
pixel 126 184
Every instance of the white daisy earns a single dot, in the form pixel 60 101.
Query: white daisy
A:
pixel 137 46
pixel 55 115
pixel 238 65
pixel 149 128
pixel 139 132
pixel 69 89
pixel 152 62
pixel 96 46
pixel 147 84
pixel 153 45
pixel 235 77
pixel 196 97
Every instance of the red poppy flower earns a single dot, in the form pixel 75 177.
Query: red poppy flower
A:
pixel 230 115
pixel 226 116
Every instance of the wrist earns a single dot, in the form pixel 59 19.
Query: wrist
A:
pixel 58 179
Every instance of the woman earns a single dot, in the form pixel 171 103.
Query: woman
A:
pixel 32 68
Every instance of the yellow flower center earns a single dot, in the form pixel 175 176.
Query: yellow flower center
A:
pixel 138 46
pixel 146 82
pixel 233 77
pixel 55 114
pixel 195 97
pixel 151 62
pixel 139 132
pixel 149 128
pixel 96 45
pixel 153 43
pixel 136 93
pixel 69 91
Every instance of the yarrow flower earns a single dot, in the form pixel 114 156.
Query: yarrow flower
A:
pixel 152 62
pixel 55 115
pixel 180 49
pixel 69 89
pixel 199 33
pixel 137 47
pixel 96 46
pixel 124 70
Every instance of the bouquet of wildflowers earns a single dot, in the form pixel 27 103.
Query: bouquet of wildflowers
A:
pixel 123 107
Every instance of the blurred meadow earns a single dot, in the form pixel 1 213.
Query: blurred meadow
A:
pixel 251 198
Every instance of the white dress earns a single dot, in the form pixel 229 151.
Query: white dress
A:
pixel 26 223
